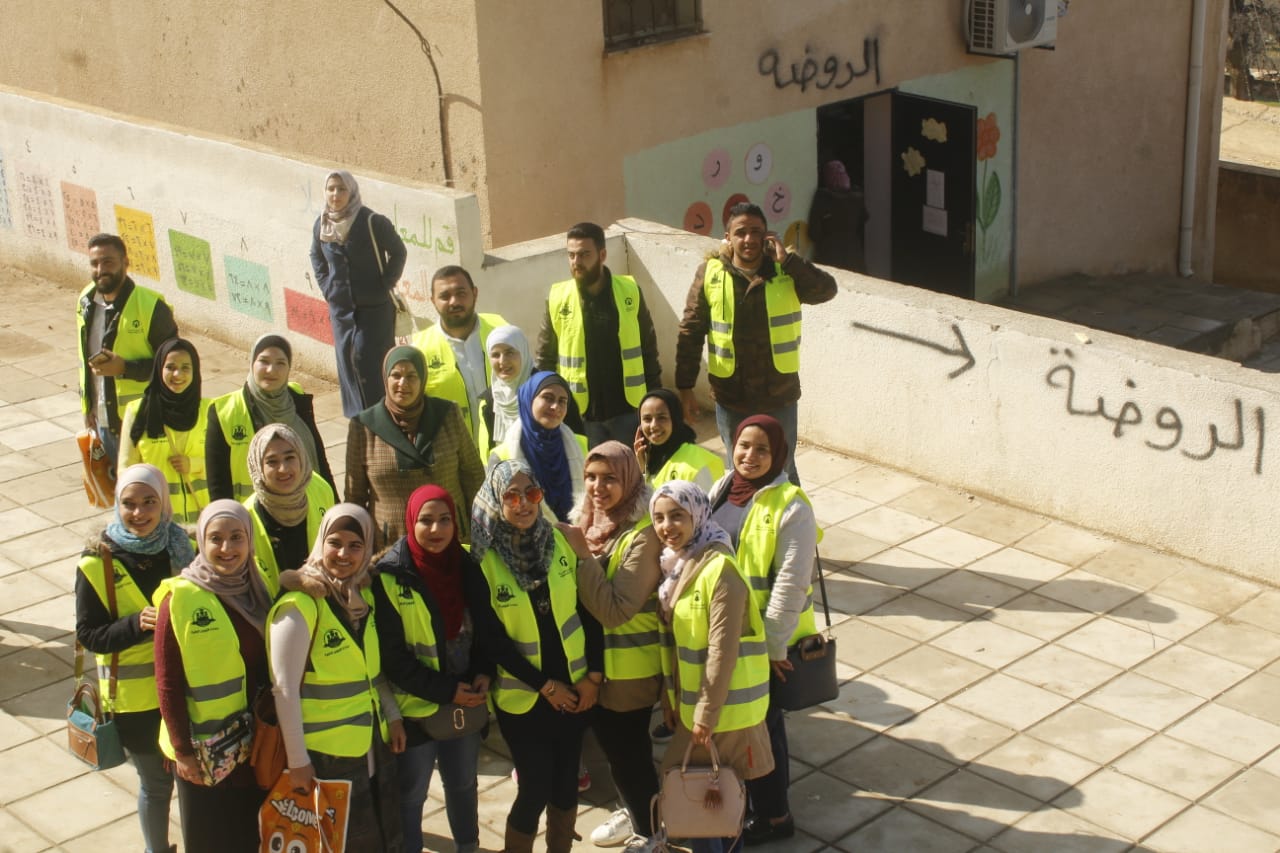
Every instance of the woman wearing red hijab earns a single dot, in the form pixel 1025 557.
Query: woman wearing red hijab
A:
pixel 775 534
pixel 428 655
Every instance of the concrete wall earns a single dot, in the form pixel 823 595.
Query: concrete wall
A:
pixel 1247 252
pixel 223 231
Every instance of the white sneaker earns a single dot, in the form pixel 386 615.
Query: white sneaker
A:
pixel 614 831
pixel 640 844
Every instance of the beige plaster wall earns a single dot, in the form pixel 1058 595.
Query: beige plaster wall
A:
pixel 1248 253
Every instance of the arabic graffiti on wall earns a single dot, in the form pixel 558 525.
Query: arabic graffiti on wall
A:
pixel 137 231
pixel 248 287
pixel 6 218
pixel 80 209
pixel 308 315
pixel 192 263
pixel 39 213
pixel 1166 429
pixel 834 71
pixel 435 239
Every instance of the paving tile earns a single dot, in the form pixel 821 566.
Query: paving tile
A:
pixel 916 617
pixel 37 434
pixel 950 546
pixel 1194 671
pixel 999 523
pixel 20 838
pixel 987 643
pixel 850 593
pixel 66 403
pixel 864 645
pixel 1090 733
pixel 1271 763
pixel 982 808
pixel 900 568
pixel 1228 733
pixel 42 709
pixel 1241 642
pixel 832 506
pixel 14 466
pixel 968 591
pixel 1088 591
pixel 829 809
pixel 1251 797
pixel 20 522
pixel 1134 565
pixel 1033 767
pixel 1258 696
pixel 13 732
pixel 887 525
pixel 1127 806
pixel 48 620
pixel 1039 616
pixel 1201 830
pixel 876 703
pixel 122 834
pixel 902 830
pixel 885 765
pixel 844 546
pixel 45 484
pixel 818 467
pixel 23 589
pixel 1056 831
pixel 1164 617
pixel 70 506
pixel 932 672
pixel 1263 611
pixel 34 766
pixel 817 736
pixel 98 803
pixel 29 669
pixel 935 503
pixel 12 416
pixel 1008 701
pixel 1106 639
pixel 1177 767
pixel 950 733
pixel 1207 588
pixel 1148 703
pixel 37 549
pixel 876 484
pixel 1019 568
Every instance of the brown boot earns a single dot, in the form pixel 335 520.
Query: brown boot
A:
pixel 515 841
pixel 560 834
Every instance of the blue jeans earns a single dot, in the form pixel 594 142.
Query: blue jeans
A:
pixel 716 845
pixel 727 423
pixel 154 792
pixel 457 759
pixel 111 444
pixel 617 428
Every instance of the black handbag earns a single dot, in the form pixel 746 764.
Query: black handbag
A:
pixel 454 721
pixel 812 679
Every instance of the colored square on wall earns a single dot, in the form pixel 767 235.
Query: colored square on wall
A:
pixel 308 315
pixel 39 212
pixel 6 217
pixel 248 287
pixel 192 263
pixel 138 231
pixel 80 210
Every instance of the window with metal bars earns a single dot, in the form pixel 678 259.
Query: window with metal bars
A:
pixel 628 23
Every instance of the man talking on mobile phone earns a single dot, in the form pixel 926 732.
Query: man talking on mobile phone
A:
pixel 119 326
pixel 745 302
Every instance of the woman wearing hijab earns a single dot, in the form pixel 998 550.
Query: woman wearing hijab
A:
pixel 427 641
pixel 775 534
pixel 268 397
pixel 337 715
pixel 357 257
pixel 717 675
pixel 211 661
pixel 287 503
pixel 612 525
pixel 544 442
pixel 141 547
pixel 546 647
pixel 405 440
pixel 668 448
pixel 510 364
pixel 166 428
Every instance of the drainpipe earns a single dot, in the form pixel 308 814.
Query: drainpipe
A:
pixel 1013 175
pixel 1191 143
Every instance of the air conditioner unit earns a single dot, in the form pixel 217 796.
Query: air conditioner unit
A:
pixel 1003 27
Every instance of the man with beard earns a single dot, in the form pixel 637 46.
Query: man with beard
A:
pixel 457 348
pixel 598 335
pixel 120 326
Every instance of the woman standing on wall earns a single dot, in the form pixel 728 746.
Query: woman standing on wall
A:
pixel 357 257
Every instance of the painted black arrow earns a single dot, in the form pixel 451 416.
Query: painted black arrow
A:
pixel 961 352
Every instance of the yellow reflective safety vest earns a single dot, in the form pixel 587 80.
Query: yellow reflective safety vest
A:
pixel 632 650
pixel 132 342
pixel 443 378
pixel 782 305
pixel 216 689
pixel 688 638
pixel 136 669
pixel 693 463
pixel 419 636
pixel 187 502
pixel 339 701
pixel 236 422
pixel 758 542
pixel 515 611
pixel 565 308
pixel 320 498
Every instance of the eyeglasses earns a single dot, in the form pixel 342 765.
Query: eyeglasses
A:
pixel 531 495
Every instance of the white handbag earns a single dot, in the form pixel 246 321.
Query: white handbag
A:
pixel 683 810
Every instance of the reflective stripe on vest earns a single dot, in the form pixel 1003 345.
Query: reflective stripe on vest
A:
pixel 320 498
pixel 339 702
pixel 156 451
pixel 781 304
pixel 632 650
pixel 418 636
pixel 688 637
pixel 515 611
pixel 443 378
pixel 689 463
pixel 136 669
pixel 237 430
pixel 565 308
pixel 210 658
pixel 757 544
pixel 132 343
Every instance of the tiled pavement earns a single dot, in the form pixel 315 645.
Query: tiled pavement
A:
pixel 1012 683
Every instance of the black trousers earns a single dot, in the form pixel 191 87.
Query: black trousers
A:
pixel 624 737
pixel 769 793
pixel 221 819
pixel 546 747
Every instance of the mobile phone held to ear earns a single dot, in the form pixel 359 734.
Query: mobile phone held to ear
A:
pixel 99 357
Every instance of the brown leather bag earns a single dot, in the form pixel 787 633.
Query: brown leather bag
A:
pixel 268 757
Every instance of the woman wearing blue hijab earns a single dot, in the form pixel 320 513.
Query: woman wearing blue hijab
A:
pixel 543 441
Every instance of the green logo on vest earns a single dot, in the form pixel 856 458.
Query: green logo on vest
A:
pixel 239 433
pixel 435 363
pixel 135 324
pixel 504 593
pixel 118 575
pixel 202 618
pixel 332 638
pixel 405 593
pixel 566 311
pixel 629 303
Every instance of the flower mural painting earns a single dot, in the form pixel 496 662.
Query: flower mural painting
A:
pixel 989 187
pixel 912 161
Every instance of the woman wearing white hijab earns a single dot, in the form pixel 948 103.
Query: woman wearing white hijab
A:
pixel 357 257
pixel 512 363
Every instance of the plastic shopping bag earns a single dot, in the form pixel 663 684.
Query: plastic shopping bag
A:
pixel 314 822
